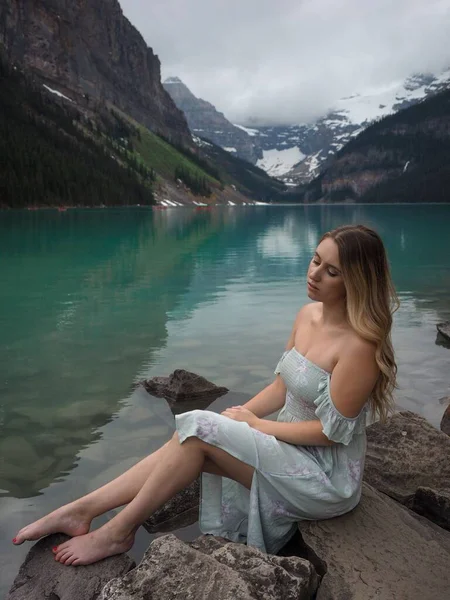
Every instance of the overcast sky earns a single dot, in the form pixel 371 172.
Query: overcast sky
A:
pixel 288 61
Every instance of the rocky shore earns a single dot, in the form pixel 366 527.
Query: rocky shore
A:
pixel 394 544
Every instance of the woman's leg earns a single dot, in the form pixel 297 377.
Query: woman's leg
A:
pixel 75 518
pixel 180 464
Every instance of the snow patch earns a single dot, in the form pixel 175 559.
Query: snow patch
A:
pixel 57 93
pixel 278 162
pixel 199 141
pixel 251 132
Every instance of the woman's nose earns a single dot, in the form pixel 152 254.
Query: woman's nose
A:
pixel 314 274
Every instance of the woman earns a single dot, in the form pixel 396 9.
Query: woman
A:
pixel 262 476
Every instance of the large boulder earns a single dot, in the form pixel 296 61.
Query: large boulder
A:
pixel 445 421
pixel 432 504
pixel 41 577
pixel 179 511
pixel 381 551
pixel 193 390
pixel 405 454
pixel 213 568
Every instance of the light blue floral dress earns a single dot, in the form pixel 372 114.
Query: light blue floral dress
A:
pixel 290 483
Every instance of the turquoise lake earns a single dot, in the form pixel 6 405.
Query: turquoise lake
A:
pixel 94 300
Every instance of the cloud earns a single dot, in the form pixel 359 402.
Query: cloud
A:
pixel 289 61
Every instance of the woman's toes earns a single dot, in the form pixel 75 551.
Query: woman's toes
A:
pixel 70 560
pixel 63 546
pixel 19 539
pixel 65 557
pixel 59 555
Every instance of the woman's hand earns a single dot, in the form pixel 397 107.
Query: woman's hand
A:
pixel 239 413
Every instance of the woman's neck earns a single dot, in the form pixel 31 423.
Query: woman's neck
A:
pixel 334 315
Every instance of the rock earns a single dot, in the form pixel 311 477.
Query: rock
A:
pixel 405 454
pixel 41 577
pixel 180 511
pixel 183 385
pixel 445 421
pixel 432 504
pixel 444 330
pixel 381 551
pixel 213 568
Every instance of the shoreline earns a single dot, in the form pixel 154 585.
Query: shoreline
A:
pixel 211 206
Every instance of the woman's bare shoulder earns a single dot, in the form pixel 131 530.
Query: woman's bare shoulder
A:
pixel 309 312
pixel 353 345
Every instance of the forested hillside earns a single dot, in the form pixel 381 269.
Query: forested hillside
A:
pixel 247 178
pixel 55 152
pixel 50 156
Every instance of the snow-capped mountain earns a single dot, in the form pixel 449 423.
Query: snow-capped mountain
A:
pixel 295 153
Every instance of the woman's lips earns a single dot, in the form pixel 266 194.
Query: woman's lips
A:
pixel 312 286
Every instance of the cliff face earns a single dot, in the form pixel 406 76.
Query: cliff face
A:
pixel 88 48
pixel 207 122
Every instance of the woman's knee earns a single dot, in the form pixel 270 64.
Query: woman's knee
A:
pixel 190 441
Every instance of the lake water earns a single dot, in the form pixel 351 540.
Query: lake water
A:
pixel 92 301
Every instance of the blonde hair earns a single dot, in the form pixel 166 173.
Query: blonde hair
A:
pixel 371 301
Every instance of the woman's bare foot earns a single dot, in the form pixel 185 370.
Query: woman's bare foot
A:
pixel 70 519
pixel 90 548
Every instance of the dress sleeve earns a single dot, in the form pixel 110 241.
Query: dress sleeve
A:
pixel 277 368
pixel 336 427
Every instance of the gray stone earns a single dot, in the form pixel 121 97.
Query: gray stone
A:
pixel 41 577
pixel 405 454
pixel 443 334
pixel 180 511
pixel 445 422
pixel 182 385
pixel 444 330
pixel 381 551
pixel 213 568
pixel 432 504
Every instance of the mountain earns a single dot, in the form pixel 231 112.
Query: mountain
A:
pixel 90 53
pixel 242 176
pixel 296 153
pixel 85 119
pixel 206 122
pixel 404 157
pixel 53 154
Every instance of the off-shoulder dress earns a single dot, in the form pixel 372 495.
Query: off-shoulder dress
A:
pixel 290 483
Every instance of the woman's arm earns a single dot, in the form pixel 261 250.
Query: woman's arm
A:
pixel 352 381
pixel 270 399
pixel 302 433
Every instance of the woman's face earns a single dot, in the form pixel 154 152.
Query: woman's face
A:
pixel 325 283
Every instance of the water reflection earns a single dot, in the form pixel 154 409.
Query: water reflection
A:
pixel 85 302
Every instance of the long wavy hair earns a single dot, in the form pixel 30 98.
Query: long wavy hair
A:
pixel 371 302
